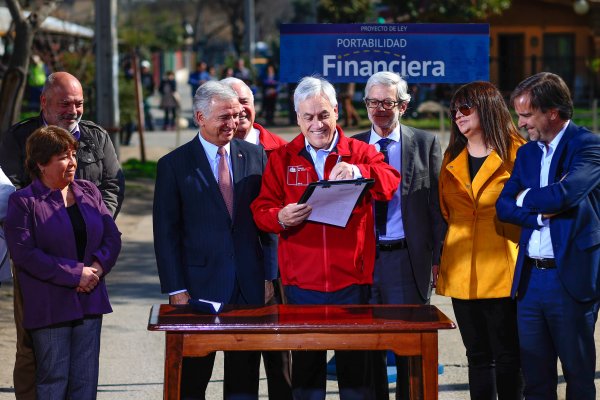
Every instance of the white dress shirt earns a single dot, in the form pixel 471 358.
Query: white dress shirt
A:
pixel 319 157
pixel 540 242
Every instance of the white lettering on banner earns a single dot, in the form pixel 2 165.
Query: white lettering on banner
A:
pixel 384 28
pixel 371 43
pixel 335 65
pixel 374 28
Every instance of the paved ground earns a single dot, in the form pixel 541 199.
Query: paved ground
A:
pixel 131 357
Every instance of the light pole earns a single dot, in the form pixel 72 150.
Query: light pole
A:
pixel 107 86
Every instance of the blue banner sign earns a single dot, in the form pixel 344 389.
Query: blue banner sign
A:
pixel 420 53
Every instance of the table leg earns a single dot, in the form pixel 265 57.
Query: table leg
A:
pixel 429 349
pixel 173 362
pixel 415 368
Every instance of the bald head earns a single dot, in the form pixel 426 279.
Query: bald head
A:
pixel 246 99
pixel 62 100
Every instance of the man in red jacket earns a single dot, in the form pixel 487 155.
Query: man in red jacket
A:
pixel 249 130
pixel 319 263
pixel 277 363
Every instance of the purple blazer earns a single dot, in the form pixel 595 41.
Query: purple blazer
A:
pixel 42 245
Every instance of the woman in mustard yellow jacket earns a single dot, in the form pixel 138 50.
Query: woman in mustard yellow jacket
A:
pixel 479 252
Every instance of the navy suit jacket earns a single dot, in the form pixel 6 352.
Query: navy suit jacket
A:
pixel 573 193
pixel 422 219
pixel 197 244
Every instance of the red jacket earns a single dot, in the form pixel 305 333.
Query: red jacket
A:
pixel 317 256
pixel 268 140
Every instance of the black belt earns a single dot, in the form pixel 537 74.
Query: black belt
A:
pixel 541 263
pixel 391 246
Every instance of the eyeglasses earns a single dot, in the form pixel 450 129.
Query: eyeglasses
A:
pixel 386 104
pixel 465 109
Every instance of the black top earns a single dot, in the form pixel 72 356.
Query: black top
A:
pixel 475 164
pixel 79 230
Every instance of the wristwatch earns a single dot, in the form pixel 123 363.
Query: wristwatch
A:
pixel 284 226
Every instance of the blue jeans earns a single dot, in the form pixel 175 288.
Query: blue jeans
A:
pixel 67 358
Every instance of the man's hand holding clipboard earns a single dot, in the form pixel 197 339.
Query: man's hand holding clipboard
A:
pixel 295 213
pixel 329 202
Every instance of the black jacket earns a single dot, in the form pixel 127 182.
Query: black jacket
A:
pixel 96 159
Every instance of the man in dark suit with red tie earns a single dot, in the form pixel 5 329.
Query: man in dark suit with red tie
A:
pixel 206 243
pixel 277 363
pixel 410 229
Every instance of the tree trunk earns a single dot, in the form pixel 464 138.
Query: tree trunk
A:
pixel 13 84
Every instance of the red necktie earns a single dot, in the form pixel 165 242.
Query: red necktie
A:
pixel 225 180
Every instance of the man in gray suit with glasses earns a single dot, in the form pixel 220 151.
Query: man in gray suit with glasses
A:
pixel 410 228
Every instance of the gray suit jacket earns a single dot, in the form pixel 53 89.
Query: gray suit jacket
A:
pixel 423 223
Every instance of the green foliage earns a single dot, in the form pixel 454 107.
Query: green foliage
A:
pixel 28 114
pixel 134 168
pixel 83 67
pixel 584 117
pixel 302 12
pixel 444 10
pixel 345 11
pixel 127 109
pixel 151 29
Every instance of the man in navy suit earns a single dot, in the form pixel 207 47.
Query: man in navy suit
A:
pixel 554 195
pixel 206 243
pixel 278 366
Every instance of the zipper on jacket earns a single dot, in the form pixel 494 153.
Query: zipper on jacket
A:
pixel 326 261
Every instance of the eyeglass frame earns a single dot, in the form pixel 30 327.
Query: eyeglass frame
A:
pixel 468 110
pixel 381 103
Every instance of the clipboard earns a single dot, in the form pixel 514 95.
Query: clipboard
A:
pixel 333 201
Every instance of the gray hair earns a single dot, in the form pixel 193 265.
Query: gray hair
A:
pixel 49 83
pixel 310 87
pixel 232 81
pixel 210 91
pixel 388 78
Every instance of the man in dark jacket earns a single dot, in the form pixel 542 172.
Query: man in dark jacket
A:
pixel 62 105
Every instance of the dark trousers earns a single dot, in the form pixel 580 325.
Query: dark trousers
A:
pixel 488 328
pixel 24 371
pixel 309 372
pixel 278 364
pixel 67 357
pixel 241 370
pixel 393 283
pixel 169 120
pixel 148 120
pixel 553 325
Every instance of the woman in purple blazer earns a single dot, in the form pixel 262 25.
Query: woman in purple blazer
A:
pixel 63 241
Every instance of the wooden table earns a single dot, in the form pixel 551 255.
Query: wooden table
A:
pixel 406 330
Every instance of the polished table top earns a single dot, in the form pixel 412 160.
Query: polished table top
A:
pixel 300 318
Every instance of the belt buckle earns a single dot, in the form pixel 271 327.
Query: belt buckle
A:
pixel 540 263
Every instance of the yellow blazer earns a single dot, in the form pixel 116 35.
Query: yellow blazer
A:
pixel 479 253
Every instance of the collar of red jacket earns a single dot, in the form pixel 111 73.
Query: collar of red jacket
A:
pixel 342 148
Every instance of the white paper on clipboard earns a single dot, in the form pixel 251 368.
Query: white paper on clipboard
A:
pixel 332 202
